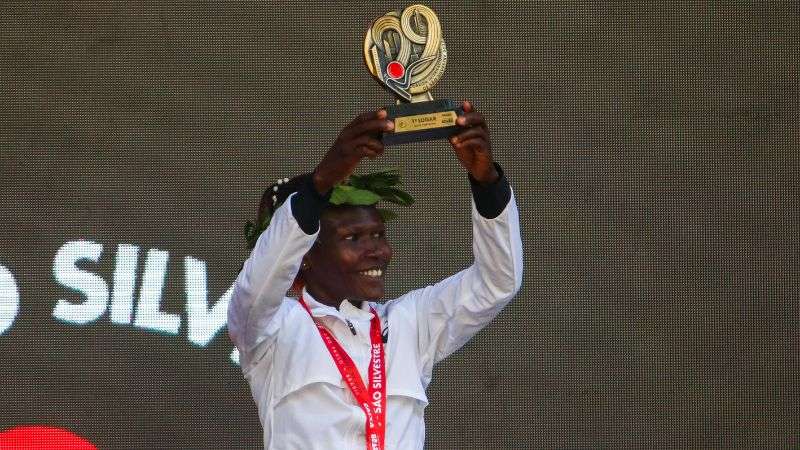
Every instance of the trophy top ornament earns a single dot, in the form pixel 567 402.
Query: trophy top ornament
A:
pixel 405 52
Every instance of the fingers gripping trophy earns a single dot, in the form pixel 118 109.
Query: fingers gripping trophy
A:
pixel 405 52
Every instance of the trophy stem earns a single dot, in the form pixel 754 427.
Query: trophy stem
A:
pixel 423 97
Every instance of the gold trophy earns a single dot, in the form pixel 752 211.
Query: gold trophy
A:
pixel 405 52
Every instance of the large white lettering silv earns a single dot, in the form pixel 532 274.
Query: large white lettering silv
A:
pixel 70 269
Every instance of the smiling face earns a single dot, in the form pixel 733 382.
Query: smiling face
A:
pixel 350 257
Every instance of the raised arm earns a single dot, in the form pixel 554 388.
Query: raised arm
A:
pixel 452 311
pixel 275 260
pixel 271 268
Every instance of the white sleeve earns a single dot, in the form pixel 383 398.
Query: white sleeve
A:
pixel 452 311
pixel 266 276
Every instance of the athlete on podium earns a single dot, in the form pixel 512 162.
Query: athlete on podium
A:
pixel 334 368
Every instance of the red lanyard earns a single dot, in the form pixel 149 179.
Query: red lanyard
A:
pixel 372 398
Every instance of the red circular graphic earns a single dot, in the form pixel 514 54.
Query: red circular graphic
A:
pixel 395 70
pixel 36 437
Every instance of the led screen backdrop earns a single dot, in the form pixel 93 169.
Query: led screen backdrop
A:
pixel 652 146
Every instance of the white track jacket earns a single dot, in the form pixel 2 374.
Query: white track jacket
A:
pixel 302 400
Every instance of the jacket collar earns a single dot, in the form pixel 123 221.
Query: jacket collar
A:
pixel 346 309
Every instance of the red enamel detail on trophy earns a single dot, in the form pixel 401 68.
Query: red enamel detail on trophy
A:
pixel 395 70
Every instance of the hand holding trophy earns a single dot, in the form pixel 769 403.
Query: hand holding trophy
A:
pixel 405 52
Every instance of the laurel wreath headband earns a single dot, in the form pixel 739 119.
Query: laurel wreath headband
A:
pixel 357 190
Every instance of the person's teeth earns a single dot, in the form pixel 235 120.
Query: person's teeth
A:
pixel 372 272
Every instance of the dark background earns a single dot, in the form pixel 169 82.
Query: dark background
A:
pixel 652 146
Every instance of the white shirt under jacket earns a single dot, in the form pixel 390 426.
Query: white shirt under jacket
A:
pixel 303 403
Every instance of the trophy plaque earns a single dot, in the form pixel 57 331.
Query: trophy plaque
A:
pixel 405 52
